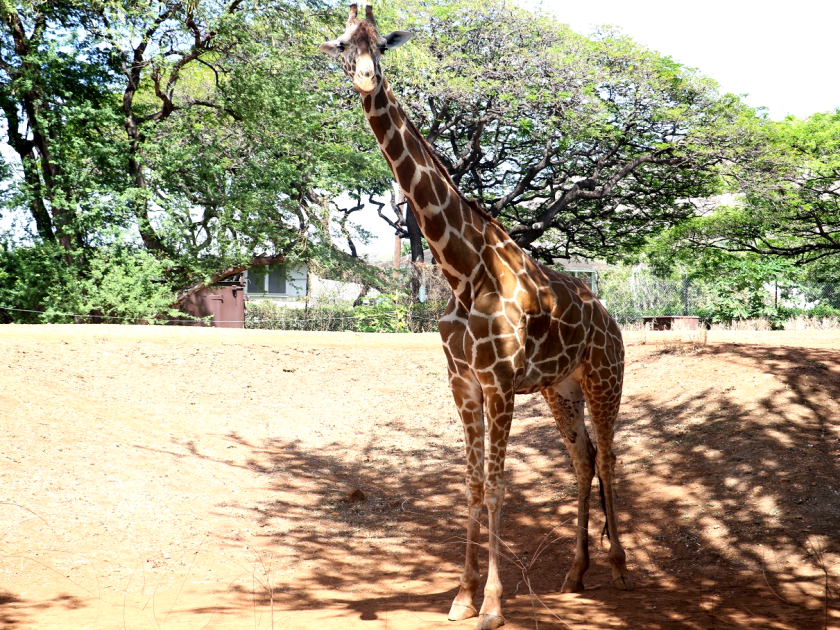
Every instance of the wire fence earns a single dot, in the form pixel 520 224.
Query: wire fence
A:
pixel 384 317
pixel 629 295
pixel 413 304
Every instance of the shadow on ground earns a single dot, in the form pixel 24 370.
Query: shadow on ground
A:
pixel 17 610
pixel 729 507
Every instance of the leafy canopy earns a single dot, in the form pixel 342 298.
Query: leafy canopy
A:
pixel 581 146
pixel 787 201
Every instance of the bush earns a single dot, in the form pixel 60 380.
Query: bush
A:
pixel 116 284
pixel 424 316
pixel 383 314
pixel 823 311
pixel 270 315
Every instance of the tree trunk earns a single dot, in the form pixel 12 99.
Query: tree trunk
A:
pixel 415 236
pixel 415 239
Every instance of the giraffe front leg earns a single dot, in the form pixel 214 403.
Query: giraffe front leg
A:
pixel 491 608
pixel 500 413
pixel 462 607
pixel 470 402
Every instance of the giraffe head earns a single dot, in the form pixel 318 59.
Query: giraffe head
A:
pixel 360 48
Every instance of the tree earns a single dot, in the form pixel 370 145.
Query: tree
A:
pixel 788 200
pixel 193 132
pixel 581 146
pixel 54 86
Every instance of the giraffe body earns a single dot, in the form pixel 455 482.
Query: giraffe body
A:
pixel 512 326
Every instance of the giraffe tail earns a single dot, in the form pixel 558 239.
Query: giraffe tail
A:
pixel 606 530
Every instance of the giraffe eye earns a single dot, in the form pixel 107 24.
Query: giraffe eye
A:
pixel 340 47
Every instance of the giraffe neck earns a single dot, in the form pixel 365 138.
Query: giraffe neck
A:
pixel 460 235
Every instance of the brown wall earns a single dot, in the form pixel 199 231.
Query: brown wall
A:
pixel 224 302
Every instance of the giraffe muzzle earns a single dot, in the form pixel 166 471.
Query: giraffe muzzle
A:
pixel 364 79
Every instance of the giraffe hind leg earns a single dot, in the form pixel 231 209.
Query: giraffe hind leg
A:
pixel 603 410
pixel 567 403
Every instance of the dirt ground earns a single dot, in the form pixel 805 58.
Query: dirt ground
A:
pixel 181 478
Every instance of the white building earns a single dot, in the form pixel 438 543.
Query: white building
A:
pixel 289 286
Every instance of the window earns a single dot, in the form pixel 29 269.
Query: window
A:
pixel 256 281
pixel 277 281
pixel 267 280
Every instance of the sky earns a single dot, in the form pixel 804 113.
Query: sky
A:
pixel 782 56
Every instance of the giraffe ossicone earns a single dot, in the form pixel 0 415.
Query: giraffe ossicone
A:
pixel 512 326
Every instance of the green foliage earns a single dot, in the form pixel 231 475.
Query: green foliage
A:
pixel 385 313
pixel 196 128
pixel 27 277
pixel 719 287
pixel 823 312
pixel 581 146
pixel 267 156
pixel 121 282
pixel 787 200
pixel 424 316
pixel 739 289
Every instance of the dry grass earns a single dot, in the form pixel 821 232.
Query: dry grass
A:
pixel 813 323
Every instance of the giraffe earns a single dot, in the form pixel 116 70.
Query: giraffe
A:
pixel 512 326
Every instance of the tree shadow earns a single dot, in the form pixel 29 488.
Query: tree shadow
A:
pixel 713 491
pixel 15 610
pixel 739 486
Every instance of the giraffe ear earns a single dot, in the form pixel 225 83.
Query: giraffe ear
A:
pixel 332 48
pixel 396 39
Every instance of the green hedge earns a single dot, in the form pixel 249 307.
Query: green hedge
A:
pixel 385 315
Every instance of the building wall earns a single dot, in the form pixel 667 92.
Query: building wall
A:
pixel 334 292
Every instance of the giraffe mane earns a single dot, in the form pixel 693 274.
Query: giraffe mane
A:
pixel 472 203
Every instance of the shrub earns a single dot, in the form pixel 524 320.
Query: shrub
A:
pixel 114 283
pixel 823 311
pixel 383 314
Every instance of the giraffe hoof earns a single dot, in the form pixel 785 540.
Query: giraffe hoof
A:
pixel 572 586
pixel 489 621
pixel 459 612
pixel 624 583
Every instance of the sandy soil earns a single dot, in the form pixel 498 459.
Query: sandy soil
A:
pixel 200 478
